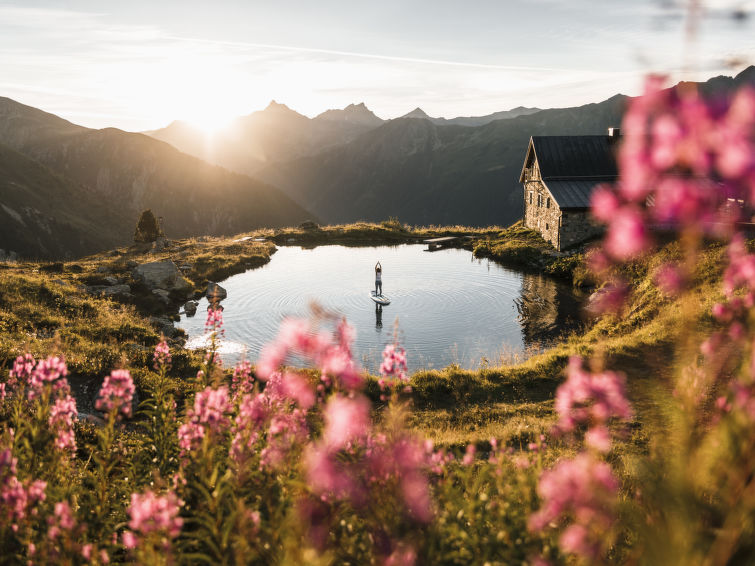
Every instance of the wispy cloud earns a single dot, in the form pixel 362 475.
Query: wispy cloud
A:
pixel 91 66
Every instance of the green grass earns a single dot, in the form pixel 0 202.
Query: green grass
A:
pixel 43 309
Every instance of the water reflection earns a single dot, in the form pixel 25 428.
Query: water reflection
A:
pixel 451 307
pixel 547 310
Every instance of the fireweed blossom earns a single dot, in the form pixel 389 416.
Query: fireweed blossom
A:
pixel 329 352
pixel 62 415
pixel 207 416
pixel 214 322
pixel 116 394
pixel 18 499
pixel 162 358
pixel 685 163
pixel 591 399
pixel 50 372
pixel 150 513
pixel 242 382
pixel 584 491
pixel 394 368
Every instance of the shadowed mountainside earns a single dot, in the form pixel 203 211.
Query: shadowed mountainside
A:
pixel 424 173
pixel 121 174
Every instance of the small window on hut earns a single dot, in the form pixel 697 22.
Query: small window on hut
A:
pixel 547 227
pixel 539 200
pixel 530 197
pixel 548 202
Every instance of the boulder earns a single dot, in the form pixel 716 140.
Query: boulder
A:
pixel 163 275
pixel 190 308
pixel 110 280
pixel 164 325
pixel 103 269
pixel 162 294
pixel 122 291
pixel 215 293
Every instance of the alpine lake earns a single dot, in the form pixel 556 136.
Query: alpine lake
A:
pixel 447 307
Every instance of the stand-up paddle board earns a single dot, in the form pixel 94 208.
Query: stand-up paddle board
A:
pixel 380 299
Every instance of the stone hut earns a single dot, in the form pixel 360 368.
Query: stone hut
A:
pixel 559 176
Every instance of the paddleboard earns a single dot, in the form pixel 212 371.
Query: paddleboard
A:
pixel 380 299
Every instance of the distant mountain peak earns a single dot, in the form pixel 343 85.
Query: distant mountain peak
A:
pixel 417 113
pixel 278 107
pixel 358 113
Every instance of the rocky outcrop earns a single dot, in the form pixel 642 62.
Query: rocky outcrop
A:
pixel 163 275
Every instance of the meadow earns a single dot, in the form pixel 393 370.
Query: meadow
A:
pixel 628 443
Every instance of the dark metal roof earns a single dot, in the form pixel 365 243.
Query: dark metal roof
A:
pixel 567 157
pixel 572 193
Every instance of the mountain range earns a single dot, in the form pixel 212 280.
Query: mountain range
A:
pixel 66 190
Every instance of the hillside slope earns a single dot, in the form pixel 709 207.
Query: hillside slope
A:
pixel 423 173
pixel 44 215
pixel 124 173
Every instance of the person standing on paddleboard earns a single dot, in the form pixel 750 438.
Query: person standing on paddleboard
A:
pixel 378 279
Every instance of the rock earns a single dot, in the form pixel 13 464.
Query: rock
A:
pixel 58 282
pixel 163 275
pixel 186 267
pixel 103 269
pixel 162 294
pixel 117 292
pixel 291 240
pixel 215 293
pixel 95 289
pixel 12 256
pixel 164 325
pixel 110 280
pixel 131 264
pixel 190 308
pixel 160 244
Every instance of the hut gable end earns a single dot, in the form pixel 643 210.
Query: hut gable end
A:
pixel 559 175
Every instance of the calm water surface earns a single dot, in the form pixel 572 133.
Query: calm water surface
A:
pixel 447 306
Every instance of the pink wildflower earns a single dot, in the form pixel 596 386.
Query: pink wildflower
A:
pixel 116 393
pixel 394 365
pixel 51 371
pixel 346 420
pixel 22 368
pixel 627 235
pixel 591 399
pixel 210 408
pixel 62 414
pixel 150 513
pixel 583 489
pixel 62 520
pixel 243 380
pixel 669 279
pixel 214 322
pixel 162 356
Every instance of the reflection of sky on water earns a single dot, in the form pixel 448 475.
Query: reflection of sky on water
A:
pixel 447 307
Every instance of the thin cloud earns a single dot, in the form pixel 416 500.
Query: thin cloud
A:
pixel 316 50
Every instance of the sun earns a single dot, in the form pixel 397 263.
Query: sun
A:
pixel 210 120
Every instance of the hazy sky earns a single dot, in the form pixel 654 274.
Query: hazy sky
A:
pixel 139 64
